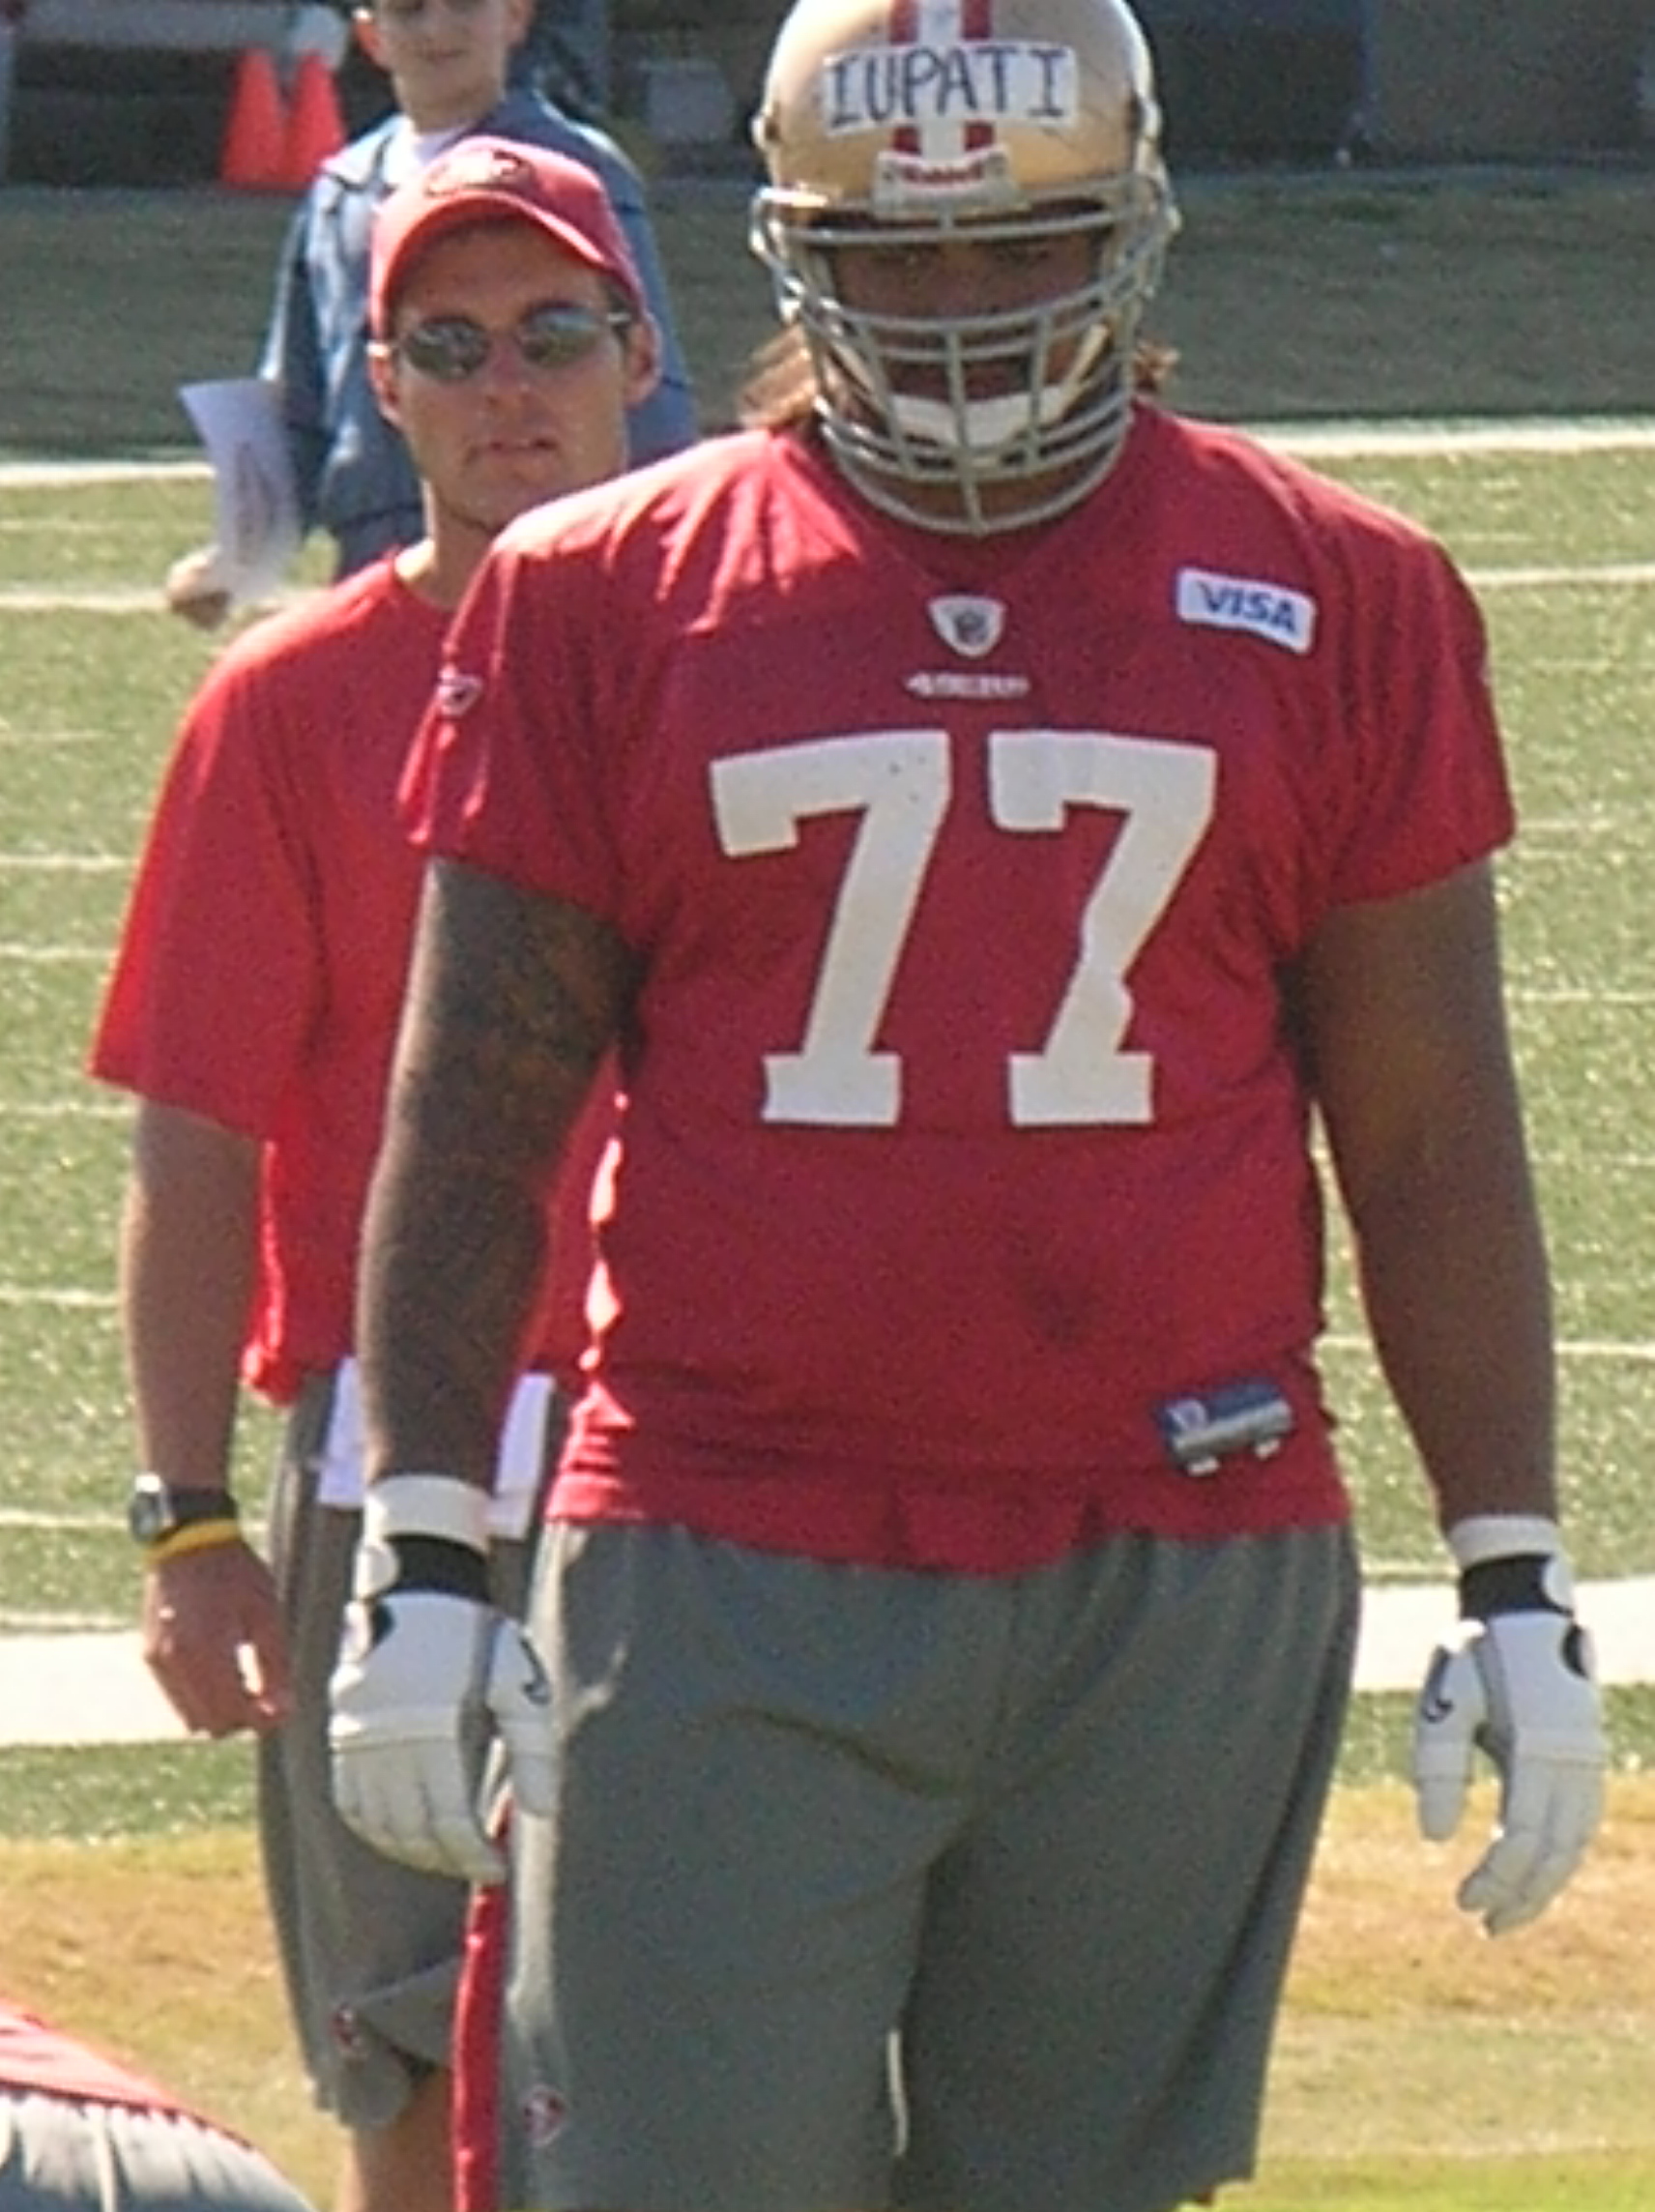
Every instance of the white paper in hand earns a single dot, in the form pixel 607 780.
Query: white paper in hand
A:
pixel 257 506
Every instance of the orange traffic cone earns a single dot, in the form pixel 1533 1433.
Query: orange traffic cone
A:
pixel 315 127
pixel 251 156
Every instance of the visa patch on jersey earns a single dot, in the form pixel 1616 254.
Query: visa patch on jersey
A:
pixel 1272 611
pixel 1199 1431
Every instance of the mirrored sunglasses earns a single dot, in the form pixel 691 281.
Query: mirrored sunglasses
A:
pixel 449 348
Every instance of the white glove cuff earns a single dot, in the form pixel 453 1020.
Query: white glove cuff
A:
pixel 426 1506
pixel 1484 1537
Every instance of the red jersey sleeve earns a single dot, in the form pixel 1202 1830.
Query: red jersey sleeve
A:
pixel 223 895
pixel 509 774
pixel 1431 792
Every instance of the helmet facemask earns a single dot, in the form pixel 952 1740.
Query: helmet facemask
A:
pixel 1018 413
pixel 906 126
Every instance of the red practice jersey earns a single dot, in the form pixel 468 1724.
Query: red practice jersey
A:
pixel 964 1175
pixel 260 973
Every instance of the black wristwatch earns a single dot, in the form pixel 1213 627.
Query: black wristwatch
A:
pixel 156 1509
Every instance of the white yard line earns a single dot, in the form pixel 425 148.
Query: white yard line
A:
pixel 1353 441
pixel 1341 440
pixel 1312 441
pixel 1605 575
pixel 93 1687
pixel 59 475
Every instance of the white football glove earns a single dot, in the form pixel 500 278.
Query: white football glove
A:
pixel 428 1676
pixel 1519 1687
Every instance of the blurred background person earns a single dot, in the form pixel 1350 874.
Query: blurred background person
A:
pixel 252 1011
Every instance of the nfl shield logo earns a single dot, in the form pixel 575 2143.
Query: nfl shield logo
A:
pixel 971 626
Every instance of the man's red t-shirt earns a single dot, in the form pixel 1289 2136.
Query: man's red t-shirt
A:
pixel 260 973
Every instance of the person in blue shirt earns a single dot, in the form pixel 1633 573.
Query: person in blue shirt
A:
pixel 447 62
pixel 12 13
pixel 565 55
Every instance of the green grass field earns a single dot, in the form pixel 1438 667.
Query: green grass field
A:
pixel 1527 2109
pixel 1420 2066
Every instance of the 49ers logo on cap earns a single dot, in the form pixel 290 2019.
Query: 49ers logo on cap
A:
pixel 478 168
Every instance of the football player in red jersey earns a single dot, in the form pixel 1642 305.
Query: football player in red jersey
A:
pixel 993 816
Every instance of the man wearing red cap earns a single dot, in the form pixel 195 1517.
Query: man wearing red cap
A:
pixel 252 1010
pixel 448 64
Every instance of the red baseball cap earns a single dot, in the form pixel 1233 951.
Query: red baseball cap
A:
pixel 481 178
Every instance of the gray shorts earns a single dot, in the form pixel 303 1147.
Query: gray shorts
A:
pixel 369 1949
pixel 59 2154
pixel 867 1888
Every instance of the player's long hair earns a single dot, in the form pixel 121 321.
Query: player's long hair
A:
pixel 779 391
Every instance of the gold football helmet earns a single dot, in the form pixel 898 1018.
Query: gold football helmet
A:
pixel 897 124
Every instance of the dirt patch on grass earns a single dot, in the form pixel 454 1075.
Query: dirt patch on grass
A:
pixel 1407 2031
pixel 159 1950
pixel 1377 1940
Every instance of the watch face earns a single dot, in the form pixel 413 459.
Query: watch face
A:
pixel 148 1510
pixel 154 1509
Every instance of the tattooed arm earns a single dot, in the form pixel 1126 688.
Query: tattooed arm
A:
pixel 511 1001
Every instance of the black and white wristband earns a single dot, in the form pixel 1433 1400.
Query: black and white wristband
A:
pixel 424 1534
pixel 1511 1562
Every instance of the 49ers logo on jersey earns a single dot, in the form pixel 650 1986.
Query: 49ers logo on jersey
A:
pixel 457 691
